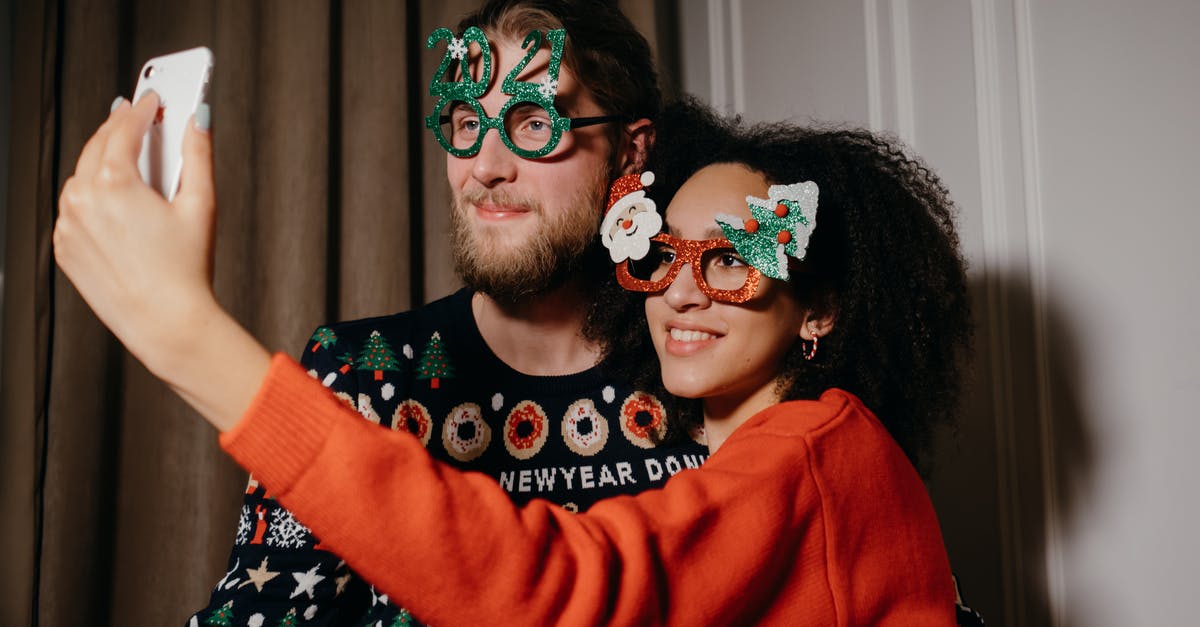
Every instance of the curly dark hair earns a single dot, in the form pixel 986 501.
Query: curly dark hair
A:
pixel 884 260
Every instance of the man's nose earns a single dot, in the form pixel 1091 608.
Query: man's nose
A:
pixel 494 163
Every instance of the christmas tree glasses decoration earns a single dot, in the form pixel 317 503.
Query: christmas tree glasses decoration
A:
pixel 528 123
pixel 780 227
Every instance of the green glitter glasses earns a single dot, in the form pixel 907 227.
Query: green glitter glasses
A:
pixel 528 123
pixel 527 129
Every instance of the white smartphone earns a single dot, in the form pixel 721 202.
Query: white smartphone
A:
pixel 181 82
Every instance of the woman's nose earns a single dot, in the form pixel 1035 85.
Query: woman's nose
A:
pixel 683 293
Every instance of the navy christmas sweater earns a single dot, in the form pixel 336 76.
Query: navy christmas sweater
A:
pixel 571 440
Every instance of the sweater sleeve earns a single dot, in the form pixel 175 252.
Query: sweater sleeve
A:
pixel 743 538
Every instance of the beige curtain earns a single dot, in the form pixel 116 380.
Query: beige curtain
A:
pixel 116 505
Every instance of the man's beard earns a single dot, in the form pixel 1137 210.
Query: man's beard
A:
pixel 510 272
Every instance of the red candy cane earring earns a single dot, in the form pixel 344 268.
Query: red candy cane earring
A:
pixel 809 354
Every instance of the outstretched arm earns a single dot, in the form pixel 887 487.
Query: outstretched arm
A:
pixel 145 265
pixel 715 546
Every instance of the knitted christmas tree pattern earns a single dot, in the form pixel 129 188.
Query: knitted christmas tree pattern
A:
pixel 347 362
pixel 222 616
pixel 289 619
pixel 323 337
pixel 435 365
pixel 377 355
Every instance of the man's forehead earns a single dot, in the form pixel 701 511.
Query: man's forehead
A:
pixel 507 52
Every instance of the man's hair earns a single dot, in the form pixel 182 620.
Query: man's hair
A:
pixel 884 260
pixel 604 51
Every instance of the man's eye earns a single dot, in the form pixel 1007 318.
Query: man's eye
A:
pixel 534 126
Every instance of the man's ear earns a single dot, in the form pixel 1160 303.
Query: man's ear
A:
pixel 818 324
pixel 638 137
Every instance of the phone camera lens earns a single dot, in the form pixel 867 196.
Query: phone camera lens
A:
pixel 149 71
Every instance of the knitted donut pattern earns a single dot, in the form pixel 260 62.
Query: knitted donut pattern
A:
pixel 411 416
pixel 345 398
pixel 583 428
pixel 364 408
pixel 525 430
pixel 641 416
pixel 464 433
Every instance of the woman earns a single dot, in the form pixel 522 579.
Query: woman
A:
pixel 807 512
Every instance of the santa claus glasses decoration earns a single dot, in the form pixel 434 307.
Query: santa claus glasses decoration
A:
pixel 528 123
pixel 725 269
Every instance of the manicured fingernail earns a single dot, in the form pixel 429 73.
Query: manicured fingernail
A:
pixel 203 117
pixel 116 103
pixel 146 93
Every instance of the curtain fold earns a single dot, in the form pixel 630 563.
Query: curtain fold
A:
pixel 332 204
pixel 27 303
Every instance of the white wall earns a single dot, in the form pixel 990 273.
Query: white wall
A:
pixel 1067 131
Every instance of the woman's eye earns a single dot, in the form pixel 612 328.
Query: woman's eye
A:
pixel 730 260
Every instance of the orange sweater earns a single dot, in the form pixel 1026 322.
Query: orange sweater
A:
pixel 808 514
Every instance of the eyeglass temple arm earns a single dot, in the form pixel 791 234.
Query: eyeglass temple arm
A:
pixel 592 121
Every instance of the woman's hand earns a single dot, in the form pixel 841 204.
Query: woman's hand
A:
pixel 145 265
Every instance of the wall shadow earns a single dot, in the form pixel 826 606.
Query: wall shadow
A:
pixel 990 485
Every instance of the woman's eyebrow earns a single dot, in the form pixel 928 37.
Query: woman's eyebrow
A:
pixel 713 232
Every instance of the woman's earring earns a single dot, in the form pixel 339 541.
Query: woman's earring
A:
pixel 810 353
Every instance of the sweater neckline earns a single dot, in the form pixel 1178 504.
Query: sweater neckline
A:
pixel 485 363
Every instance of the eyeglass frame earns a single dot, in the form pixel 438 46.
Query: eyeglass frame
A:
pixel 558 125
pixel 466 89
pixel 691 252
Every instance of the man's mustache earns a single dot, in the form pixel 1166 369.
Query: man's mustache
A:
pixel 502 199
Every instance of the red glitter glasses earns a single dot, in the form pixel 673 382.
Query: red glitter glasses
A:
pixel 719 271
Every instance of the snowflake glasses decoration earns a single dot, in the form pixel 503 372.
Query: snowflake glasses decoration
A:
pixel 528 123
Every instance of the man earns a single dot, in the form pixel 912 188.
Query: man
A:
pixel 503 376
